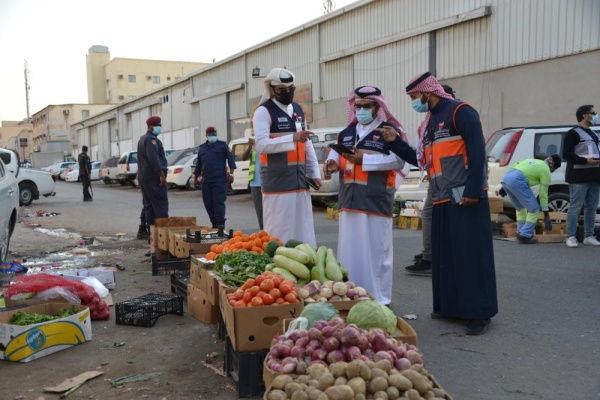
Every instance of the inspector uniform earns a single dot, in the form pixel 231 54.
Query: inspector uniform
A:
pixel 152 160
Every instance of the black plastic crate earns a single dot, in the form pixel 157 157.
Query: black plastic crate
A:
pixel 221 329
pixel 172 265
pixel 246 369
pixel 179 284
pixel 145 310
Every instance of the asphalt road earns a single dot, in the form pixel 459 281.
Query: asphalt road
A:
pixel 543 344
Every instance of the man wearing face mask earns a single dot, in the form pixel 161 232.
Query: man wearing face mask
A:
pixel 366 196
pixel 287 160
pixel 213 157
pixel 462 264
pixel 152 170
pixel 583 175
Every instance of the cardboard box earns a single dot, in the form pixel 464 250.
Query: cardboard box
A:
pixel 403 222
pixel 253 328
pixel 183 248
pixel 30 342
pixel 199 307
pixel 410 212
pixel 161 254
pixel 214 286
pixel 510 229
pixel 415 223
pixel 198 274
pixel 496 205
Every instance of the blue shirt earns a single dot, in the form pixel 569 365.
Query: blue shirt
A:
pixel 212 158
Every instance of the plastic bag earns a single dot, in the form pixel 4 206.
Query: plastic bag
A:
pixel 322 311
pixel 12 268
pixel 296 325
pixel 56 292
pixel 97 285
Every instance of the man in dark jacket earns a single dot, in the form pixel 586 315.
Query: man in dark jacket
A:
pixel 85 171
pixel 211 166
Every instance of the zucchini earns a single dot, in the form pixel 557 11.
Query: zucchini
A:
pixel 344 272
pixel 271 247
pixel 285 273
pixel 319 268
pixel 294 254
pixel 298 269
pixel 332 267
pixel 269 267
pixel 292 243
pixel 308 249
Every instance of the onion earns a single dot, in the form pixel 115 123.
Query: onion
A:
pixel 360 290
pixel 320 324
pixel 308 351
pixel 319 354
pixel 352 353
pixel 273 365
pixel 400 350
pixel 350 285
pixel 350 336
pixel 336 297
pixel 325 292
pixel 331 344
pixel 413 356
pixel 315 343
pixel 337 322
pixel 377 340
pixel 327 331
pixel 327 284
pixel 363 343
pixel 284 350
pixel 384 355
pixel 335 356
pixel 301 342
pixel 314 333
pixel 340 288
pixel 304 293
pixel 352 294
pixel 309 300
pixel 288 365
pixel 402 363
pixel 297 351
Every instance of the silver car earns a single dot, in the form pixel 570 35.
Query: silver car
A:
pixel 9 206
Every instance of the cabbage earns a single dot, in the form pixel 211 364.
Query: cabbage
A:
pixel 371 314
pixel 319 312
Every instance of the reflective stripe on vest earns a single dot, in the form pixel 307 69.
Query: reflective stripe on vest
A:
pixel 361 191
pixel 284 172
pixel 586 148
pixel 252 167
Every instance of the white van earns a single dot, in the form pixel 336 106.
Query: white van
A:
pixel 240 175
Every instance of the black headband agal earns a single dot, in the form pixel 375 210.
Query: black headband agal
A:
pixel 375 92
pixel 417 81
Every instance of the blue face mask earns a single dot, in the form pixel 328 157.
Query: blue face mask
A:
pixel 364 117
pixel 594 120
pixel 420 107
pixel 212 139
pixel 156 130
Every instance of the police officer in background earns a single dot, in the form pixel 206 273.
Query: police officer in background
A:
pixel 211 166
pixel 152 171
pixel 85 171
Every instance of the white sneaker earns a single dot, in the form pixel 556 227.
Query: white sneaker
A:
pixel 592 241
pixel 572 241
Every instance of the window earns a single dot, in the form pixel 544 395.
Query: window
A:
pixel 547 144
pixel 131 78
pixel 238 150
pixel 85 113
pixel 156 80
pixel 131 97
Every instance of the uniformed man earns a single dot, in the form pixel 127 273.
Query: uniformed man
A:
pixel 152 171
pixel 213 157
pixel 85 171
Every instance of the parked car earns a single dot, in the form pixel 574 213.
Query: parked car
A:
pixel 9 206
pixel 73 176
pixel 240 175
pixel 57 168
pixel 330 182
pixel 32 183
pixel 127 168
pixel 109 170
pixel 178 175
pixel 510 145
pixel 63 174
pixel 133 166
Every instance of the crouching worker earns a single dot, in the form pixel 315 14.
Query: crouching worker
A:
pixel 517 182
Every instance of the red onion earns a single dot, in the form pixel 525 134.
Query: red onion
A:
pixel 288 365
pixel 401 364
pixel 413 356
pixel 319 354
pixel 350 336
pixel 297 351
pixel 335 356
pixel 331 344
pixel 314 333
pixel 352 353
pixel 384 355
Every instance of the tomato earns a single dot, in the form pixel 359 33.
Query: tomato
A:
pixel 254 290
pixel 247 297
pixel 260 294
pixel 232 302
pixel 267 285
pixel 279 300
pixel 267 299
pixel 267 273
pixel 239 294
pixel 277 279
pixel 275 293
pixel 290 297
pixel 256 302
pixel 240 303
pixel 286 287
pixel 259 279
pixel 249 283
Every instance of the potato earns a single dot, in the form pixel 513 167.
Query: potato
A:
pixel 303 379
pixel 400 382
pixel 381 395
pixel 316 370
pixel 291 388
pixel 420 383
pixel 429 395
pixel 326 380
pixel 393 393
pixel 385 365
pixel 439 392
pixel 313 382
pixel 359 396
pixel 338 368
pixel 314 394
pixel 412 394
pixel 276 395
pixel 280 381
pixel 340 380
pixel 377 384
pixel 353 369
pixel 298 395
pixel 375 372
pixel 365 372
pixel 358 385
pixel 342 392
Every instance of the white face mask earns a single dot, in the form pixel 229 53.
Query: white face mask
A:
pixel 212 139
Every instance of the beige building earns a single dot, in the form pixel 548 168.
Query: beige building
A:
pixel 15 135
pixel 123 79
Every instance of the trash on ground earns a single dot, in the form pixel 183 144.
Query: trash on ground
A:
pixel 409 316
pixel 134 378
pixel 72 382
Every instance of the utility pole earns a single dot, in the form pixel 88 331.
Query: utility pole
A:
pixel 328 6
pixel 26 71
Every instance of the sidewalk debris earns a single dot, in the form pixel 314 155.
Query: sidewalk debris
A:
pixel 134 378
pixel 76 381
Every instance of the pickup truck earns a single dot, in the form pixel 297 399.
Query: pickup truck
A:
pixel 33 183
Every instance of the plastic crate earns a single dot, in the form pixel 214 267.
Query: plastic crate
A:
pixel 214 237
pixel 172 265
pixel 221 329
pixel 145 310
pixel 179 284
pixel 246 369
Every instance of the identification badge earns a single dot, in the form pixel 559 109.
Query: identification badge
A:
pixel 299 126
pixel 349 170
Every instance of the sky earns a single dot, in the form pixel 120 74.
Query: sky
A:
pixel 54 37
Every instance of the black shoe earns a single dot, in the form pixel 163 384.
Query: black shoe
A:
pixel 477 327
pixel 143 233
pixel 418 257
pixel 88 199
pixel 420 267
pixel 435 315
pixel 526 240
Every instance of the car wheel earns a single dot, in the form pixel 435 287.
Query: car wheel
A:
pixel 122 182
pixel 25 194
pixel 4 244
pixel 107 181
pixel 558 202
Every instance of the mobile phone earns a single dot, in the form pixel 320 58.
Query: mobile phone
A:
pixel 340 148
pixel 311 183
pixel 456 194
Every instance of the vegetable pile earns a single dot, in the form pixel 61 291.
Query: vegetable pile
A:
pixel 328 342
pixel 26 318
pixel 357 380
pixel 236 268
pixel 315 291
pixel 241 242
pixel 264 290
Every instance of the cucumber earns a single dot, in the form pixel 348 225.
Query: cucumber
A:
pixel 285 273
pixel 299 270
pixel 332 267
pixel 308 249
pixel 269 267
pixel 294 254
pixel 319 268
pixel 303 281
pixel 292 243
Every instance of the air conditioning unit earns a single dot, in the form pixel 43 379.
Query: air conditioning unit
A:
pixel 120 76
pixel 65 112
pixel 148 77
pixel 121 97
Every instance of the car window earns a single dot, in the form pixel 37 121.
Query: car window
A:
pixel 497 144
pixel 133 157
pixel 5 157
pixel 123 159
pixel 547 144
pixel 238 150
pixel 2 171
pixel 330 136
pixel 176 157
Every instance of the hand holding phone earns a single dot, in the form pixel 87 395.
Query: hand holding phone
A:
pixel 341 149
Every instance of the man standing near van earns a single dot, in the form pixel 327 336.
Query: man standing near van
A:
pixel 211 166
pixel 85 171
pixel 583 175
